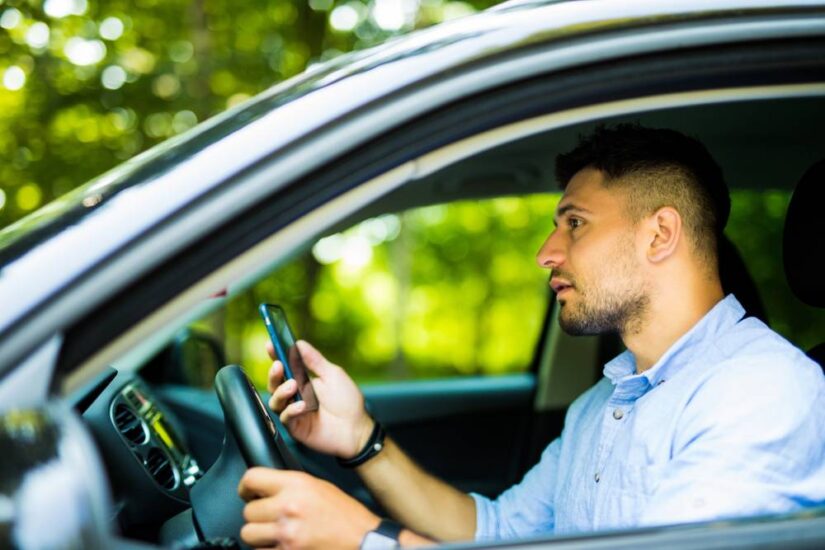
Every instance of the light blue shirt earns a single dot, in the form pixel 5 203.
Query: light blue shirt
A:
pixel 729 422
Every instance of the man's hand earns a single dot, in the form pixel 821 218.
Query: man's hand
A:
pixel 293 510
pixel 341 425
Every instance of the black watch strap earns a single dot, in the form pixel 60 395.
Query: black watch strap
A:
pixel 389 528
pixel 383 537
pixel 374 445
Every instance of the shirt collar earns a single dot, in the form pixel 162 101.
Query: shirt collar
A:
pixel 622 369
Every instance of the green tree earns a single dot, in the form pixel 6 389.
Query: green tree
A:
pixel 86 84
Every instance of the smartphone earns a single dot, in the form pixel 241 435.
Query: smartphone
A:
pixel 287 352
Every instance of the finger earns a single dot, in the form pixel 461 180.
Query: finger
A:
pixel 292 411
pixel 276 375
pixel 262 510
pixel 270 349
pixel 313 358
pixel 261 482
pixel 282 395
pixel 261 534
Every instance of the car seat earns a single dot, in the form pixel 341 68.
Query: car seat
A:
pixel 736 279
pixel 804 244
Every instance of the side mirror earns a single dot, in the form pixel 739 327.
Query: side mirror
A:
pixel 198 356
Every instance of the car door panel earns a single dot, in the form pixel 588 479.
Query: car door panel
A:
pixel 471 432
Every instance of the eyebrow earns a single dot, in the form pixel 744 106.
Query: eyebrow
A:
pixel 568 208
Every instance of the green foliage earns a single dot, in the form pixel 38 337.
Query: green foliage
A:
pixel 86 84
pixel 435 291
pixel 755 226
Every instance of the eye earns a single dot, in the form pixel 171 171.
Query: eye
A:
pixel 574 222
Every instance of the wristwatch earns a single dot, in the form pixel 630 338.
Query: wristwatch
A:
pixel 383 537
pixel 374 446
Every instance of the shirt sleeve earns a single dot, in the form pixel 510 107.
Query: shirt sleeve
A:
pixel 524 509
pixel 751 441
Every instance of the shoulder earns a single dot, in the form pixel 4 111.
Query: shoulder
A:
pixel 755 359
pixel 751 337
pixel 769 383
pixel 759 384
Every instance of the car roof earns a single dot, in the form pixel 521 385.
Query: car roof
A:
pixel 104 216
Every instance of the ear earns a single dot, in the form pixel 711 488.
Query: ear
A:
pixel 664 232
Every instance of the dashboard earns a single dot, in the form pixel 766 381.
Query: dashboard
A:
pixel 168 462
pixel 155 443
pixel 148 461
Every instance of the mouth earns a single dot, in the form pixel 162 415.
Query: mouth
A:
pixel 559 286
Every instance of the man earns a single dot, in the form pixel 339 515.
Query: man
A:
pixel 708 414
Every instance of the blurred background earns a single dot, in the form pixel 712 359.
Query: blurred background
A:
pixel 85 84
pixel 438 291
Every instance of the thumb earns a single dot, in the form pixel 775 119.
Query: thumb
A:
pixel 313 358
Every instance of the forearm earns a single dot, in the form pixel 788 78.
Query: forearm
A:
pixel 417 499
pixel 411 539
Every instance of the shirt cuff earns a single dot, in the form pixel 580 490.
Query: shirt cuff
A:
pixel 485 517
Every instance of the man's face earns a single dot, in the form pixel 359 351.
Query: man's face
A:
pixel 596 271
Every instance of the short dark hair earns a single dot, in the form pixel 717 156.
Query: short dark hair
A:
pixel 658 167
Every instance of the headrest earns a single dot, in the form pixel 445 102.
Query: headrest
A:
pixel 804 239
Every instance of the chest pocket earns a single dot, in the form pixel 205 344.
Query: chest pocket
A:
pixel 629 495
pixel 639 480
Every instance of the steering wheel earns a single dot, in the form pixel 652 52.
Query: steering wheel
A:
pixel 251 439
pixel 248 420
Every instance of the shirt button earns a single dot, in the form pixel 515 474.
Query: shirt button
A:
pixel 596 477
pixel 618 414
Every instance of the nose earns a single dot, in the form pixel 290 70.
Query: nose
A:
pixel 551 254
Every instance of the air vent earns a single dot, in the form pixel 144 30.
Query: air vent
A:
pixel 161 469
pixel 134 397
pixel 129 425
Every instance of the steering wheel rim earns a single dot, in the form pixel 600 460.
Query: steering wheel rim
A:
pixel 251 440
pixel 247 420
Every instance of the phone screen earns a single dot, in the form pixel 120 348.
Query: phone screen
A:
pixel 288 353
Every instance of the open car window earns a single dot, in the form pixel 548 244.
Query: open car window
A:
pixel 430 292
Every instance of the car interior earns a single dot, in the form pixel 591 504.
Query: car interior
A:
pixel 160 427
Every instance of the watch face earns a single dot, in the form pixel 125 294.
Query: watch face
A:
pixel 377 541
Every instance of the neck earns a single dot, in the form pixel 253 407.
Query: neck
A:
pixel 672 312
